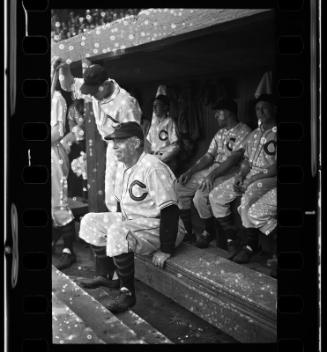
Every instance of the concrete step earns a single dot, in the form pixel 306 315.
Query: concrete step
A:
pixel 237 300
pixel 142 328
pixel 68 327
pixel 98 323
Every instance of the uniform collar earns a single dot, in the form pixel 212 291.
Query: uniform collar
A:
pixel 114 94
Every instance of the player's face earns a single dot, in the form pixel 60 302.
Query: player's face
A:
pixel 221 117
pixel 101 93
pixel 160 108
pixel 264 111
pixel 123 148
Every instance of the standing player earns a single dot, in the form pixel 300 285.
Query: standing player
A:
pixel 149 219
pixel 162 135
pixel 112 105
pixel 257 176
pixel 218 164
pixel 62 216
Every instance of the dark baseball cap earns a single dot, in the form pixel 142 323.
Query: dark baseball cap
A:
pixel 266 97
pixel 93 76
pixel 126 130
pixel 226 104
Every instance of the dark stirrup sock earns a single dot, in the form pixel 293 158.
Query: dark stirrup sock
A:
pixel 125 269
pixel 104 265
pixel 68 235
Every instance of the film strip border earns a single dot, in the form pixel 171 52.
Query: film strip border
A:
pixel 30 193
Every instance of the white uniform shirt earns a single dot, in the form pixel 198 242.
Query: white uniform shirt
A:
pixel 118 108
pixel 146 188
pixel 162 133
pixel 58 112
pixel 261 148
pixel 227 141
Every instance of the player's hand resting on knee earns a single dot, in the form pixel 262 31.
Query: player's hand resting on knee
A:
pixel 159 258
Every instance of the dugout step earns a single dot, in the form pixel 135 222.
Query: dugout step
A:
pixel 237 300
pixel 126 327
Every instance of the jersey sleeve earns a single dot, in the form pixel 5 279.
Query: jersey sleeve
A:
pixel 213 147
pixel 172 132
pixel 161 187
pixel 130 110
pixel 58 113
pixel 247 144
pixel 241 138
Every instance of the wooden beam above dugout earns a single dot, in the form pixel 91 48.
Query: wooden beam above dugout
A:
pixel 174 43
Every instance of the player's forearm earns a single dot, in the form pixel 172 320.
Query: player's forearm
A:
pixel 205 161
pixel 245 168
pixel 171 154
pixel 271 171
pixel 169 218
pixel 233 160
pixel 67 79
pixel 55 134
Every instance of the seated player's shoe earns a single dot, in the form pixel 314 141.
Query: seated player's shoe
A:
pixel 65 261
pixel 243 256
pixel 189 238
pixel 272 263
pixel 122 302
pixel 233 247
pixel 99 281
pixel 204 240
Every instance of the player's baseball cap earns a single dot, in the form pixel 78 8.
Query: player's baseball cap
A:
pixel 266 97
pixel 93 76
pixel 126 130
pixel 226 104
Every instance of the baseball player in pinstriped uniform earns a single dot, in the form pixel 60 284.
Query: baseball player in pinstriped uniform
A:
pixel 257 176
pixel 218 164
pixel 149 219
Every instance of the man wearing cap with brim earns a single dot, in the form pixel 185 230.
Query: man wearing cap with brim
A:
pixel 162 135
pixel 219 163
pixel 112 105
pixel 148 223
pixel 257 176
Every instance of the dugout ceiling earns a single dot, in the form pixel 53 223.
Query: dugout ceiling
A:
pixel 218 42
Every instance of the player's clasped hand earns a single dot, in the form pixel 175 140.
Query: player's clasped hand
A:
pixel 238 185
pixel 207 183
pixel 184 178
pixel 159 258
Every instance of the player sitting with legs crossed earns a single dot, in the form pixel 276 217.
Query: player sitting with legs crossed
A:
pixel 148 222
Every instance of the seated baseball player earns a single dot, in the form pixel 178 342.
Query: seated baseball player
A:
pixel 257 176
pixel 219 163
pixel 148 223
pixel 162 136
pixel 261 218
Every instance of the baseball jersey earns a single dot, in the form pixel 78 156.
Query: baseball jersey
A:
pixel 227 141
pixel 120 107
pixel 146 188
pixel 58 112
pixel 162 133
pixel 261 148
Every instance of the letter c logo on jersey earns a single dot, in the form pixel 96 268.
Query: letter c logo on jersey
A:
pixel 131 191
pixel 163 135
pixel 230 143
pixel 270 147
